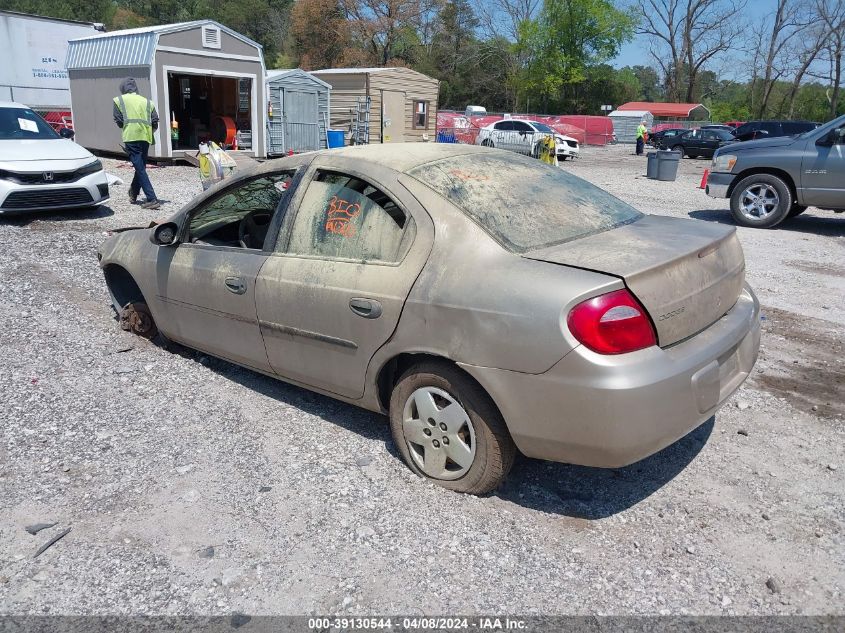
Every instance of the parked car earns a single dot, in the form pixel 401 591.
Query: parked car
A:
pixel 773 179
pixel 574 329
pixel 41 169
pixel 523 136
pixel 767 129
pixel 658 138
pixel 718 126
pixel 700 142
pixel 474 110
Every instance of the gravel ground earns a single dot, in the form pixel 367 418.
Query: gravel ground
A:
pixel 192 486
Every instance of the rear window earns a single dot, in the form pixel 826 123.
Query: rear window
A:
pixel 523 203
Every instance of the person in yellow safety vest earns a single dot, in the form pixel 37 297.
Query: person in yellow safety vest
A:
pixel 641 134
pixel 137 117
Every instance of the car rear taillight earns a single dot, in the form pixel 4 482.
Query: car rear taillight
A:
pixel 613 323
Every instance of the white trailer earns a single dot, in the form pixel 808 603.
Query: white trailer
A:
pixel 33 50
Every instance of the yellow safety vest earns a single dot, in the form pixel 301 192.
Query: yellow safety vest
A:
pixel 137 114
pixel 641 130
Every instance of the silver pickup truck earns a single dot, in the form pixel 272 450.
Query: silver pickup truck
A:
pixel 773 179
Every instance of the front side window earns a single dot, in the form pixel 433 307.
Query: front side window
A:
pixel 345 217
pixel 421 115
pixel 240 217
pixel 523 203
pixel 23 123
pixel 519 126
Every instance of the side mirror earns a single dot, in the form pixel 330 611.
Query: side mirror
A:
pixel 834 137
pixel 66 132
pixel 165 234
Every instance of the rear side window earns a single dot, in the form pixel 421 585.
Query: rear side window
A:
pixel 796 127
pixel 344 217
pixel 504 125
pixel 772 127
pixel 523 203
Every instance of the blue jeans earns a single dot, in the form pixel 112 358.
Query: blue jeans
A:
pixel 137 151
pixel 640 145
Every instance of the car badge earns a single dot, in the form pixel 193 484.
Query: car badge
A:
pixel 47 176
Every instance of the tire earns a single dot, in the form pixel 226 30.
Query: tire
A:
pixel 137 318
pixel 487 143
pixel 797 209
pixel 761 201
pixel 692 155
pixel 678 148
pixel 475 433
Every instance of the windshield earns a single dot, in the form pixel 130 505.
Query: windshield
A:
pixel 23 123
pixel 724 135
pixel 542 127
pixel 523 203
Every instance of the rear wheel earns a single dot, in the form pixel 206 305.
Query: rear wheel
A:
pixel 487 143
pixel 761 201
pixel 678 148
pixel 447 429
pixel 137 318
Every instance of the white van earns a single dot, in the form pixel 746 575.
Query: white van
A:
pixel 475 111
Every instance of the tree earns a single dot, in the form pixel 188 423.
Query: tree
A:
pixel 832 14
pixel 686 36
pixel 320 33
pixel 383 26
pixel 772 42
pixel 567 38
pixel 650 88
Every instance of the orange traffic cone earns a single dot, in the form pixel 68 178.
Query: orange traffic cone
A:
pixel 704 179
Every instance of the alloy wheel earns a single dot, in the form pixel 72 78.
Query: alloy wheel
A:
pixel 759 201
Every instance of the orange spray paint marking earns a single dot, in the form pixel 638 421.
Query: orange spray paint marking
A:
pixel 340 215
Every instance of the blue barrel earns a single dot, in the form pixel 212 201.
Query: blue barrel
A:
pixel 335 138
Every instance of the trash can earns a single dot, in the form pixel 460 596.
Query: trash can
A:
pixel 651 168
pixel 335 138
pixel 667 165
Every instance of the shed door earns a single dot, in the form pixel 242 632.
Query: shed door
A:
pixel 393 116
pixel 275 123
pixel 301 115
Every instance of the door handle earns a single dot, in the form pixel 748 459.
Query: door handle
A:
pixel 367 308
pixel 236 285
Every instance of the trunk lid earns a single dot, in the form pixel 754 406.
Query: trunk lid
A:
pixel 686 273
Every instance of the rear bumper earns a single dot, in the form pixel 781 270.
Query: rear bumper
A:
pixel 611 411
pixel 718 184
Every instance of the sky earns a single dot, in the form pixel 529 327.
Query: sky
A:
pixel 636 52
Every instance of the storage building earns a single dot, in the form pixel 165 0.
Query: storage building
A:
pixel 382 105
pixel 203 76
pixel 626 122
pixel 298 115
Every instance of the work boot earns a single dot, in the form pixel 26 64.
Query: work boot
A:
pixel 133 198
pixel 151 204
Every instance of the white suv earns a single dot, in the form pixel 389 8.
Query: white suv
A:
pixel 519 135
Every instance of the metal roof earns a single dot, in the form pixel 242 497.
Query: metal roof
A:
pixel 352 71
pixel 630 113
pixel 680 110
pixel 131 47
pixel 276 73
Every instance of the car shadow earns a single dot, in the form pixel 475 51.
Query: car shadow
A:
pixel 596 493
pixel 23 219
pixel 832 225
pixel 564 489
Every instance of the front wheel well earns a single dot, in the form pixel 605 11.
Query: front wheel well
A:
pixel 121 285
pixel 771 171
pixel 394 368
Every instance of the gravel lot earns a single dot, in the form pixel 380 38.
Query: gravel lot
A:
pixel 193 486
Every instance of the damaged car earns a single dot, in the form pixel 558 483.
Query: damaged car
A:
pixel 427 282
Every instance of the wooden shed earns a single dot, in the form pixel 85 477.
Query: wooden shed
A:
pixel 203 75
pixel 298 115
pixel 382 105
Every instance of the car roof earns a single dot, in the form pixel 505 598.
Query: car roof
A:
pixel 403 157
